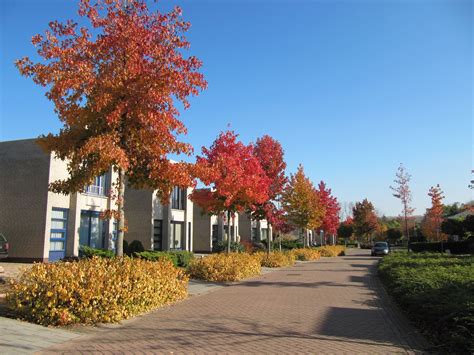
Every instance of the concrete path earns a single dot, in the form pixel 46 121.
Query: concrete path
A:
pixel 17 337
pixel 335 305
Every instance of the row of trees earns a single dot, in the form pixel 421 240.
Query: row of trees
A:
pixel 437 223
pixel 115 85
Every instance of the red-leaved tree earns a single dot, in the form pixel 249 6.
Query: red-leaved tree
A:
pixel 237 180
pixel 114 86
pixel 269 153
pixel 331 207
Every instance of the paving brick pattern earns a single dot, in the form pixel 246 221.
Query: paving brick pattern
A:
pixel 335 305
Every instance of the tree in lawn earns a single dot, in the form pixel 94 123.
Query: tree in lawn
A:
pixel 402 191
pixel 300 202
pixel 364 220
pixel 237 180
pixel 114 88
pixel 330 221
pixel 431 225
pixel 269 153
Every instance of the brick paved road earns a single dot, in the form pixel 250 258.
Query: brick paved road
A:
pixel 329 306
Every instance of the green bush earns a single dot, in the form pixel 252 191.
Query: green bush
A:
pixel 437 293
pixel 287 244
pixel 221 246
pixel 157 256
pixel 134 247
pixel 461 247
pixel 95 290
pixel 88 252
pixel 178 258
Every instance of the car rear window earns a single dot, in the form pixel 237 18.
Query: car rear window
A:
pixel 2 238
pixel 381 244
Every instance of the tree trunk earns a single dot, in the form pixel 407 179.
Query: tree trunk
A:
pixel 228 232
pixel 121 211
pixel 407 232
pixel 269 238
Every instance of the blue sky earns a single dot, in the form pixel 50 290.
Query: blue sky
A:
pixel 350 88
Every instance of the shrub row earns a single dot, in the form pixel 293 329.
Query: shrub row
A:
pixel 437 293
pixel 225 267
pixel 461 247
pixel 276 259
pixel 332 250
pixel 95 290
pixel 306 254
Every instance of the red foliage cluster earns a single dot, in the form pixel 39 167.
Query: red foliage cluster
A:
pixel 331 207
pixel 237 179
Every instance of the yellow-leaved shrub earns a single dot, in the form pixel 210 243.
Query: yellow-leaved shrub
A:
pixel 276 259
pixel 225 267
pixel 96 290
pixel 332 250
pixel 306 254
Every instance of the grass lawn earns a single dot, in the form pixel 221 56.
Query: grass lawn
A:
pixel 437 292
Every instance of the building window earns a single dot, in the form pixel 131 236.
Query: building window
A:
pixel 177 235
pixel 232 230
pixel 215 233
pixel 92 230
pixel 189 237
pixel 99 186
pixel 254 235
pixel 264 232
pixel 178 198
pixel 157 234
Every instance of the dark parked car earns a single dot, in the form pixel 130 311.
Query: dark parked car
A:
pixel 3 245
pixel 380 248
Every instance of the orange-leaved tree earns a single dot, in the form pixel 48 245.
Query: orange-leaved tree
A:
pixel 300 201
pixel 365 220
pixel 431 225
pixel 331 207
pixel 237 180
pixel 269 153
pixel 114 87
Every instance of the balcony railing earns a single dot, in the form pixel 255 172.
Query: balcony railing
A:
pixel 95 190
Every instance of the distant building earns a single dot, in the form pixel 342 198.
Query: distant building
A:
pixel 158 226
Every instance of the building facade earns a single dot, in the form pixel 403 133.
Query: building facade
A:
pixel 157 226
pixel 253 230
pixel 211 229
pixel 41 225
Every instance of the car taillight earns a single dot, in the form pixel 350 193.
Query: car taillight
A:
pixel 6 246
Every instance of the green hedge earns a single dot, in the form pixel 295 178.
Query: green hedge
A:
pixel 221 246
pixel 461 247
pixel 178 258
pixel 437 293
pixel 287 244
pixel 88 252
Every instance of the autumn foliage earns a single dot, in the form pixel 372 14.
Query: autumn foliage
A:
pixel 235 175
pixel 114 86
pixel 301 202
pixel 364 220
pixel 330 221
pixel 431 225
